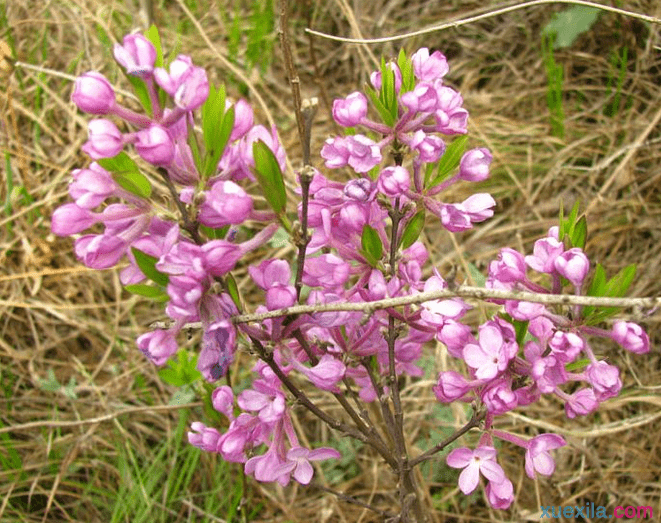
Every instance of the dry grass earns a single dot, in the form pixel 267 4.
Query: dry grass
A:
pixel 60 463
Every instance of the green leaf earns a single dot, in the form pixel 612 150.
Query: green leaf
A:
pixel 413 229
pixel 155 38
pixel 233 290
pixel 127 174
pixel 449 161
pixel 580 233
pixel 181 371
pixel 569 24
pixel 578 365
pixel 406 67
pixel 479 278
pixel 141 91
pixel 268 174
pixel 383 111
pixel 214 233
pixel 147 265
pixel 616 287
pixel 148 291
pixel 371 244
pixel 223 132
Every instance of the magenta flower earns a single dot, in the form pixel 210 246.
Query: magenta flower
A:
pixel 218 346
pixel 243 119
pixel 510 267
pixel 631 336
pixel 423 99
pixel 581 403
pixel 336 152
pixel 573 265
pixel 93 94
pixel 491 354
pixel 222 399
pixel 482 460
pixel 429 147
pixel 301 456
pixel 538 458
pixel 500 494
pixel 359 190
pixel 105 140
pixel 428 67
pixel 203 437
pixel 605 380
pixel 70 219
pixel 90 187
pixel 155 145
pixel 394 181
pixel 545 252
pixel 364 154
pixel 474 166
pixel 137 55
pixel 326 373
pixel 350 111
pixel 99 251
pixel 224 204
pixel 499 397
pixel 451 118
pixel 451 386
pixel 186 83
pixel 264 399
pixel 158 345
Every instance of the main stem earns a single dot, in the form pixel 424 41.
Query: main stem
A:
pixel 409 496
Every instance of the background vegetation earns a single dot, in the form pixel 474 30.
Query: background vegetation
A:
pixel 88 430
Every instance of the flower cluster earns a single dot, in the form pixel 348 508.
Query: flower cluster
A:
pixel 363 247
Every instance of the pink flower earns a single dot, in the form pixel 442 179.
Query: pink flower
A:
pixel 301 456
pixel 218 346
pixel 336 152
pixel 605 380
pixel 99 251
pixel 545 252
pixel 155 145
pixel 158 345
pixel 538 458
pixel 187 84
pixel 243 119
pixel 364 154
pixel 631 336
pixel 267 401
pixel 93 94
pixel 573 265
pixel 224 204
pixel 105 140
pixel 500 494
pixel 581 403
pixel 394 181
pixel 326 373
pixel 499 398
pixel 474 166
pixel 451 118
pixel 451 386
pixel 222 399
pixel 204 437
pixel 429 147
pixel 90 187
pixel 137 55
pixel 71 219
pixel 482 460
pixel 349 112
pixel 423 99
pixel 428 67
pixel 509 267
pixel 492 353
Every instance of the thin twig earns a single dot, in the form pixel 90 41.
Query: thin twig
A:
pixel 472 423
pixel 355 501
pixel 477 18
pixel 478 293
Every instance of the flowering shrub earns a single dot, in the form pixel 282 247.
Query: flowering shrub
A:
pixel 362 250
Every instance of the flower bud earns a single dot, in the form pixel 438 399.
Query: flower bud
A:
pixel 243 119
pixel 225 203
pixel 105 140
pixel 474 166
pixel 71 219
pixel 394 181
pixel 349 111
pixel 137 55
pixel 155 145
pixel 573 265
pixel 93 94
pixel 428 67
pixel 631 336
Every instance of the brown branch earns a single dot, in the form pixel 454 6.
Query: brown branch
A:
pixel 478 293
